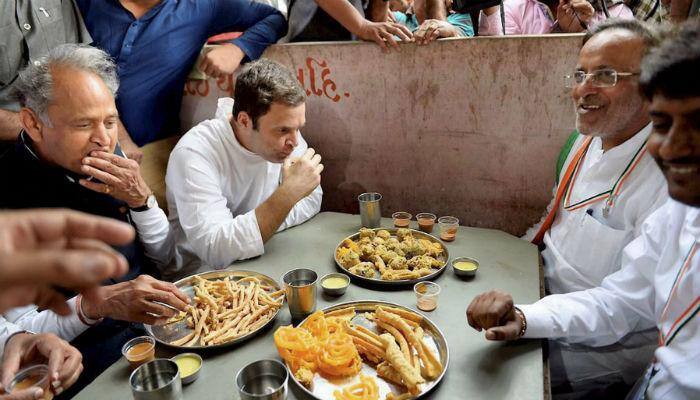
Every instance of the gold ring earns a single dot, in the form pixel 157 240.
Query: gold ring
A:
pixel 108 189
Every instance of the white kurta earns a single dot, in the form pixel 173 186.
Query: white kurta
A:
pixel 214 185
pixel 634 298
pixel 582 249
pixel 29 319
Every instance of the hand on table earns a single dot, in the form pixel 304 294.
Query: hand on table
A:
pixel 42 249
pixel 383 33
pixel 302 175
pixel 222 60
pixel 64 361
pixel 120 178
pixel 136 301
pixel 494 311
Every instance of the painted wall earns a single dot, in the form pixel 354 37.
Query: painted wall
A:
pixel 464 127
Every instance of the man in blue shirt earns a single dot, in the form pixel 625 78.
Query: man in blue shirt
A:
pixel 156 42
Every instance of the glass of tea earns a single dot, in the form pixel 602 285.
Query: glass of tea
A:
pixel 448 228
pixel 426 221
pixel 139 350
pixel 31 377
pixel 402 219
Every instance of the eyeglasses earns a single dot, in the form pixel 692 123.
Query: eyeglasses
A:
pixel 599 78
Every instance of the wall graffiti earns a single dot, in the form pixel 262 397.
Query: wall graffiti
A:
pixel 313 82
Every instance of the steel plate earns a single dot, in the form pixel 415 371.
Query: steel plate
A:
pixel 164 334
pixel 322 388
pixel 416 234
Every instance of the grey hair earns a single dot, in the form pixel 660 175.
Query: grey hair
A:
pixel 34 84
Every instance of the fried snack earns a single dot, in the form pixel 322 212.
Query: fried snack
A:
pixel 297 347
pixel 401 340
pixel 317 325
pixel 389 374
pixel 431 366
pixel 366 389
pixel 403 396
pixel 409 376
pixel 365 269
pixel 338 357
pixel 304 376
pixel 223 310
pixel 382 256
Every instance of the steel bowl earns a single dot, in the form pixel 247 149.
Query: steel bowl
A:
pixel 186 380
pixel 335 291
pixel 156 380
pixel 464 273
pixel 263 380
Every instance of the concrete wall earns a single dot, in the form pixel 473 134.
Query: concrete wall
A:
pixel 464 127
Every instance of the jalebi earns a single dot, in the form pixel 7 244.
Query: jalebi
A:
pixel 297 347
pixel 338 357
pixel 366 389
pixel 317 326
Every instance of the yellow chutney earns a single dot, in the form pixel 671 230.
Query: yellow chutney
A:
pixel 465 265
pixel 334 283
pixel 187 366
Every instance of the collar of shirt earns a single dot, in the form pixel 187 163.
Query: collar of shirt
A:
pixel 27 146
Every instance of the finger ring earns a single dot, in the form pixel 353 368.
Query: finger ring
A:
pixel 108 189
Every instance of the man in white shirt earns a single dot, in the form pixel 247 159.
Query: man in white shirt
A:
pixel 232 184
pixel 660 276
pixel 607 186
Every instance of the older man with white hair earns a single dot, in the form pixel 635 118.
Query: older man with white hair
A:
pixel 67 156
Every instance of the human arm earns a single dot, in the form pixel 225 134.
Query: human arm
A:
pixel 121 178
pixel 599 316
pixel 64 361
pixel 433 29
pixel 381 33
pixel 490 20
pixel 301 177
pixel 67 327
pixel 574 15
pixel 41 249
pixel 9 125
pixel 144 299
pixel 261 25
pixel 378 10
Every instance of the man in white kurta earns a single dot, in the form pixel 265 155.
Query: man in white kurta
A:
pixel 226 177
pixel 657 286
pixel 613 186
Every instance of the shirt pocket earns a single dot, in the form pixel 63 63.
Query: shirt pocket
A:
pixel 594 249
pixel 11 53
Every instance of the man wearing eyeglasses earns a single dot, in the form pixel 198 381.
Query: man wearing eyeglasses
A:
pixel 659 283
pixel 607 184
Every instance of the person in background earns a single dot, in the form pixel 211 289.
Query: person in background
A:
pixel 155 43
pixel 28 33
pixel 253 173
pixel 657 286
pixel 427 30
pixel 39 251
pixel 534 17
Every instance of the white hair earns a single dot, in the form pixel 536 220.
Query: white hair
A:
pixel 35 84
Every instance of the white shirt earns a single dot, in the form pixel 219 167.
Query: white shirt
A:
pixel 29 319
pixel 634 298
pixel 582 249
pixel 214 185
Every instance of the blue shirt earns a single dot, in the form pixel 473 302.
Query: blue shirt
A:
pixel 155 53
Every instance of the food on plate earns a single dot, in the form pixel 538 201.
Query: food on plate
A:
pixel 379 255
pixel 331 345
pixel 225 310
pixel 366 389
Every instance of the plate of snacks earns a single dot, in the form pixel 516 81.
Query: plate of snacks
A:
pixel 227 307
pixel 391 256
pixel 368 350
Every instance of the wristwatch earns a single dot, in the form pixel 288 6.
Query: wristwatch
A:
pixel 150 203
